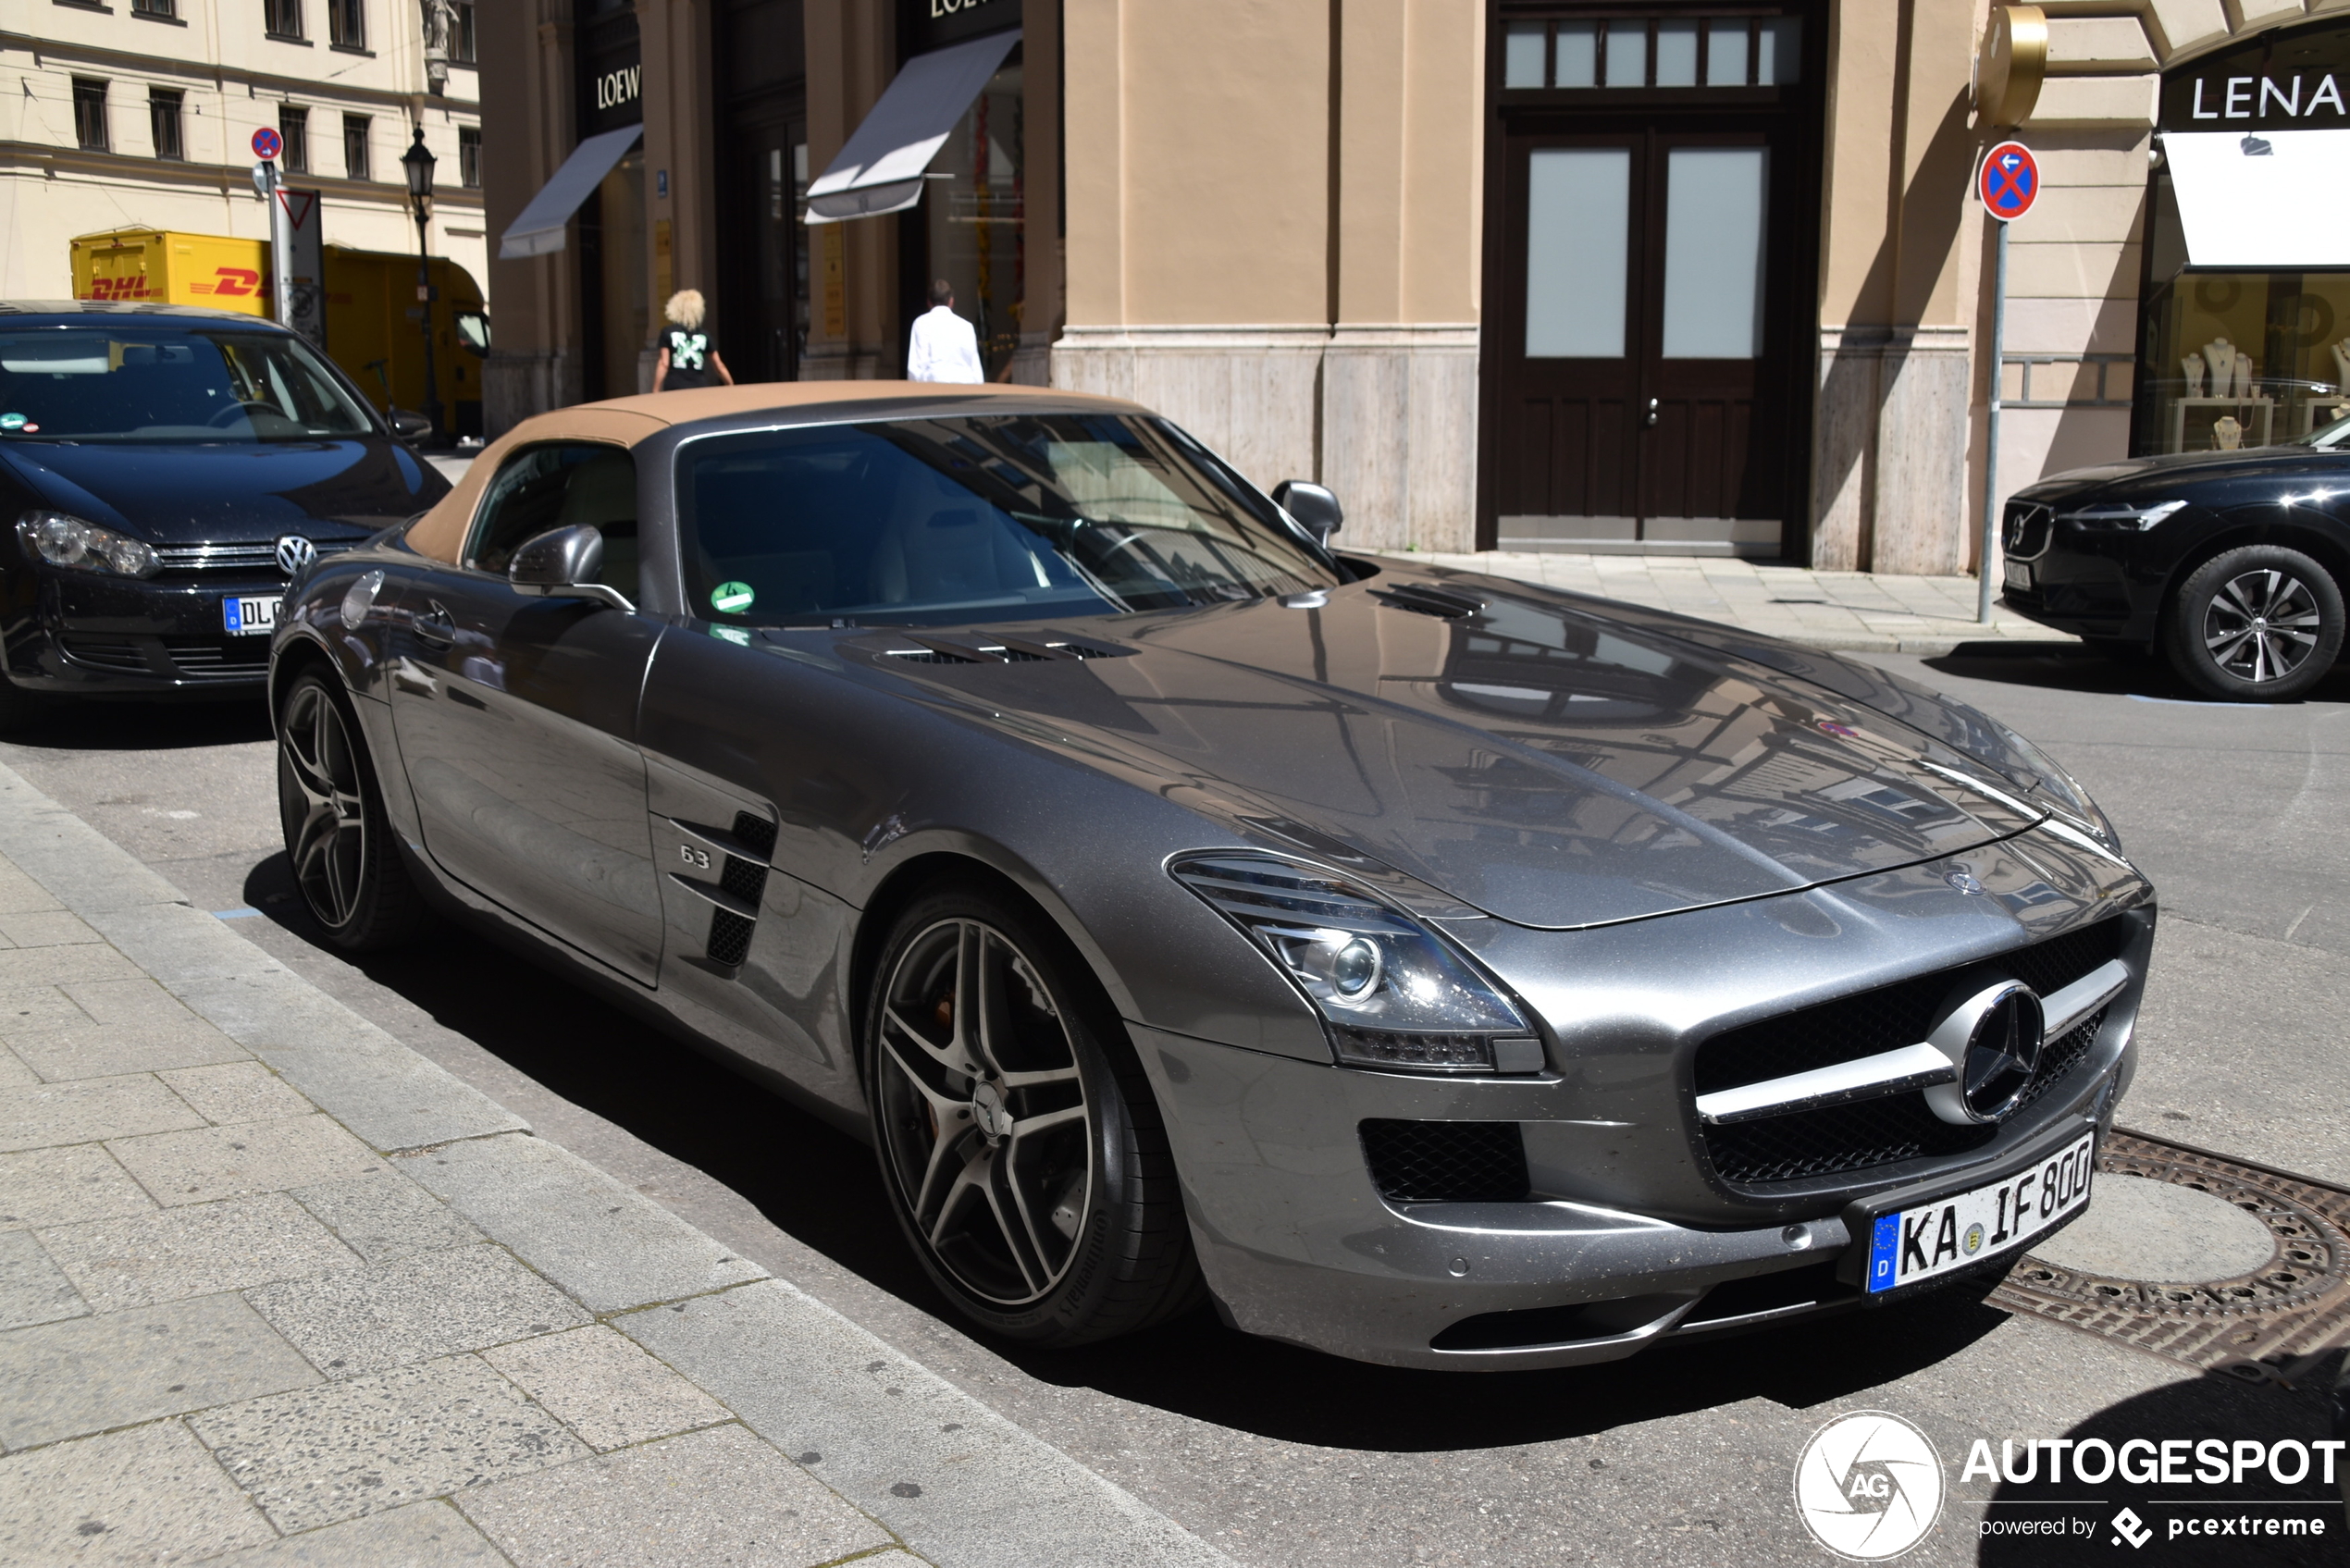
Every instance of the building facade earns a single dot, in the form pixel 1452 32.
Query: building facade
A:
pixel 139 114
pixel 1684 277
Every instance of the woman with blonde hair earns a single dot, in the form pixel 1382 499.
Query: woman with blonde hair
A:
pixel 686 358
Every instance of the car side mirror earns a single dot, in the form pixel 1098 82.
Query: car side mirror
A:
pixel 1315 508
pixel 562 563
pixel 407 426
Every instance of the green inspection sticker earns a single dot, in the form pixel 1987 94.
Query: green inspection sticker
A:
pixel 731 598
pixel 12 421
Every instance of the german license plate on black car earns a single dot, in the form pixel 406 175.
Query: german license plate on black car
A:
pixel 1947 1234
pixel 2019 575
pixel 254 616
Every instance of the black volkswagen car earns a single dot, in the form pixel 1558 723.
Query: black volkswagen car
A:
pixel 2230 564
pixel 167 471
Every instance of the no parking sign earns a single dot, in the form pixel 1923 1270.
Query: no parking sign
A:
pixel 2009 182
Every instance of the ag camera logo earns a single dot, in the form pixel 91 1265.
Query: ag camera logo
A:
pixel 1868 1486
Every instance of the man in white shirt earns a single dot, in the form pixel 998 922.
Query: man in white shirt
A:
pixel 943 347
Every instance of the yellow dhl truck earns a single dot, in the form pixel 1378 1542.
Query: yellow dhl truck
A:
pixel 371 295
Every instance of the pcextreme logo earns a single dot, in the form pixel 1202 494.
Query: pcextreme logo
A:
pixel 1868 1486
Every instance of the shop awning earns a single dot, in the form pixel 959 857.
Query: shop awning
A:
pixel 539 230
pixel 2262 201
pixel 880 170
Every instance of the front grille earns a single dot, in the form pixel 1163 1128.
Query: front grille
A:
pixel 247 558
pixel 1838 1138
pixel 219 659
pixel 123 655
pixel 1446 1162
pixel 1891 1015
pixel 2029 525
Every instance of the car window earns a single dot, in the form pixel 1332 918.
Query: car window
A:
pixel 982 518
pixel 136 382
pixel 556 485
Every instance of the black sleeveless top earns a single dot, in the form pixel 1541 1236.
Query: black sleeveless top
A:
pixel 688 359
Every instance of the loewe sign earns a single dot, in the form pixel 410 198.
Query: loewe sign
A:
pixel 933 24
pixel 616 88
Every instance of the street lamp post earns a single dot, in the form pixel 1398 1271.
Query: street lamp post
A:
pixel 417 163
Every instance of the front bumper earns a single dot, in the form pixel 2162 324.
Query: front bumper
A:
pixel 84 635
pixel 1624 1232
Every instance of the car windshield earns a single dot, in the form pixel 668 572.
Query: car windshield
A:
pixel 981 518
pixel 2325 436
pixel 141 382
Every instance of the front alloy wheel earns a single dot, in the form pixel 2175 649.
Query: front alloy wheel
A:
pixel 337 836
pixel 1020 1145
pixel 2260 622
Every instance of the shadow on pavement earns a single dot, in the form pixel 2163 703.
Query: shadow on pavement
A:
pixel 2069 667
pixel 94 724
pixel 2212 1406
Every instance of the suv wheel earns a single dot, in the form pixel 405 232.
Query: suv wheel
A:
pixel 1022 1150
pixel 2259 624
pixel 331 809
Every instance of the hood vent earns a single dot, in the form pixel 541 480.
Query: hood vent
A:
pixel 1000 650
pixel 1428 599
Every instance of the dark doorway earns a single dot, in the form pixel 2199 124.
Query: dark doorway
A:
pixel 761 317
pixel 1648 272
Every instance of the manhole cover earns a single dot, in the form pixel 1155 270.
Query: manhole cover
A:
pixel 2259 1306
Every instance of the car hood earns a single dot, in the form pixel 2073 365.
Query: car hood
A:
pixel 2172 468
pixel 230 492
pixel 1547 761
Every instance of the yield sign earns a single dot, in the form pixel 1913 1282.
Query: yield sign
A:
pixel 2008 180
pixel 299 205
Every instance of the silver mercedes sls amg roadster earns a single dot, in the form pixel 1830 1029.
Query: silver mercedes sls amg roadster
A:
pixel 1428 969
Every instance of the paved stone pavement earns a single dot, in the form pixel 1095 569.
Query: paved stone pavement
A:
pixel 1851 611
pixel 276 1289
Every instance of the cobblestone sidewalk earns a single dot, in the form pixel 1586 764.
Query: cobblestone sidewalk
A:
pixel 274 1290
pixel 1847 611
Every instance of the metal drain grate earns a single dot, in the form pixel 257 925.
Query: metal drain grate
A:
pixel 2264 1326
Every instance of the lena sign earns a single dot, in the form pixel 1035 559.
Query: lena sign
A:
pixel 2285 78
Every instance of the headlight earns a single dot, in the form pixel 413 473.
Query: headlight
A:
pixel 2116 517
pixel 2063 790
pixel 1391 992
pixel 68 541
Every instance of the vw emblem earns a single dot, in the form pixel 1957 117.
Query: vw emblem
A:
pixel 1993 1039
pixel 294 552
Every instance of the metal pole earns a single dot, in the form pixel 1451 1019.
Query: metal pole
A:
pixel 423 301
pixel 1991 434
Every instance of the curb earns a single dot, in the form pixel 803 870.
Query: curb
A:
pixel 949 1476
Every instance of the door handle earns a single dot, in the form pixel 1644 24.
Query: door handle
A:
pixel 434 625
pixel 1651 418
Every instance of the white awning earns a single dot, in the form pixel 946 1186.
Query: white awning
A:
pixel 2266 201
pixel 880 170
pixel 539 230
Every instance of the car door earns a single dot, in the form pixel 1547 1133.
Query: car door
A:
pixel 517 714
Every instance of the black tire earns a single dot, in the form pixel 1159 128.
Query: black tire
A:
pixel 345 860
pixel 2258 624
pixel 1054 1115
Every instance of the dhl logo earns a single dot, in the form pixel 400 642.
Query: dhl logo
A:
pixel 119 289
pixel 238 281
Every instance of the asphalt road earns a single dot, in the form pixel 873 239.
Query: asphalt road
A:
pixel 1284 1457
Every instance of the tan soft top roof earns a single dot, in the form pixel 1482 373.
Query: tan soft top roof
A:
pixel 440 532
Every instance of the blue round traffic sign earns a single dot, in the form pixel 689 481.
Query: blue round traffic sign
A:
pixel 2008 180
pixel 268 144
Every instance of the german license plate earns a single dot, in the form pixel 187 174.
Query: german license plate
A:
pixel 2019 574
pixel 251 617
pixel 1950 1233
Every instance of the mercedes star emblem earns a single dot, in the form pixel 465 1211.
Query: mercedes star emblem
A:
pixel 294 552
pixel 1994 1039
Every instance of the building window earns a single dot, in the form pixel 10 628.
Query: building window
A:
pixel 90 114
pixel 354 146
pixel 469 157
pixel 461 42
pixel 281 18
pixel 347 22
pixel 163 119
pixel 154 8
pixel 293 129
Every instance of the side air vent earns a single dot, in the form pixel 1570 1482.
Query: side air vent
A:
pixel 928 656
pixel 1428 599
pixel 744 877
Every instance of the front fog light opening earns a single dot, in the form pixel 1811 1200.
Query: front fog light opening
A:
pixel 1393 994
pixel 63 540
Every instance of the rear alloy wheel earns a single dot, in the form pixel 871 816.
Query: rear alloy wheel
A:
pixel 1020 1142
pixel 2259 624
pixel 337 836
